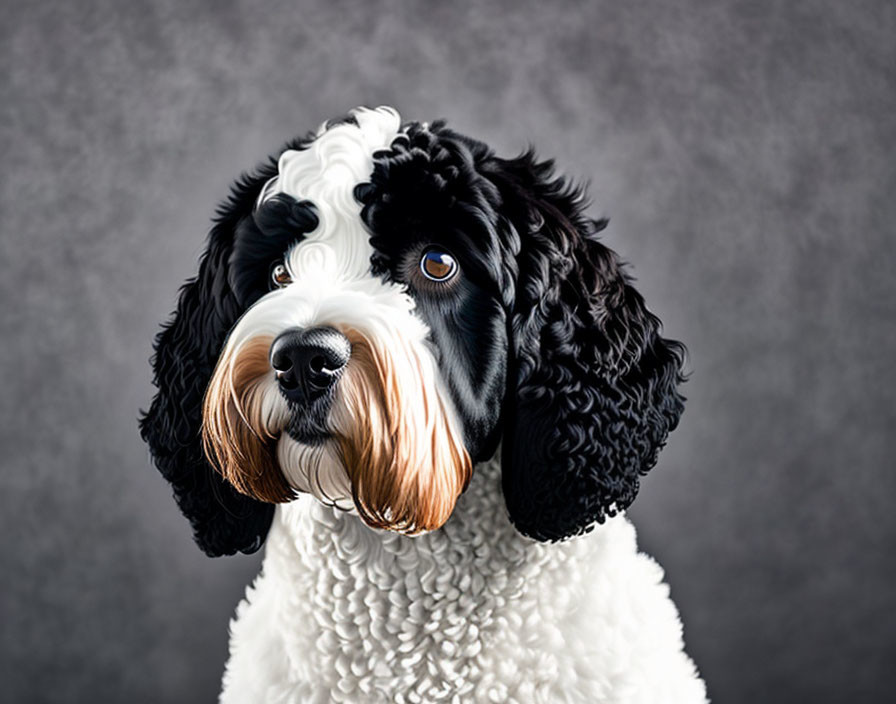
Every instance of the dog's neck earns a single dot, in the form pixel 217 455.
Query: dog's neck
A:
pixel 478 535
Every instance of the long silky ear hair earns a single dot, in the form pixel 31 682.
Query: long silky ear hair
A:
pixel 592 386
pixel 186 350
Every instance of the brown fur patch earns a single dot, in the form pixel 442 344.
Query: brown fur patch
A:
pixel 406 466
pixel 234 435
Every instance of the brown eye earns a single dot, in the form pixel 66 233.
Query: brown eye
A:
pixel 280 275
pixel 437 265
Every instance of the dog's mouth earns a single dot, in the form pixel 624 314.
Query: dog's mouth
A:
pixel 308 421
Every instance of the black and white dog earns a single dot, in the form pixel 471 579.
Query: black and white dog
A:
pixel 412 366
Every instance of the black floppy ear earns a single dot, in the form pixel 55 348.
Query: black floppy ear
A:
pixel 592 386
pixel 186 350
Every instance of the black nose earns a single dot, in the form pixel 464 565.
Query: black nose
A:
pixel 308 362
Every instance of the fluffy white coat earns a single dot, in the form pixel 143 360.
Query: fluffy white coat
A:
pixel 472 612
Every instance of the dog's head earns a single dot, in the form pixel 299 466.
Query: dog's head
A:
pixel 379 309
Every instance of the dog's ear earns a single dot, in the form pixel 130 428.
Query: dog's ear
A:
pixel 186 350
pixel 592 386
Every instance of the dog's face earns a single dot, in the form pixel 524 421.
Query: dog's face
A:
pixel 376 312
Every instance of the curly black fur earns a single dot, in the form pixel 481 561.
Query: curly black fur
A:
pixel 593 389
pixel 262 239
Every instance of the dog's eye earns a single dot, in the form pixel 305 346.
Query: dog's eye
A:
pixel 437 265
pixel 280 275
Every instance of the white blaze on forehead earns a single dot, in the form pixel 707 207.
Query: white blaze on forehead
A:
pixel 326 173
pixel 330 266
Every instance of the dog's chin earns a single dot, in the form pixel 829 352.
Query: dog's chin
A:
pixel 322 469
pixel 314 467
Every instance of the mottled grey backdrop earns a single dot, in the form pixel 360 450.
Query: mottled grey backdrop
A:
pixel 745 153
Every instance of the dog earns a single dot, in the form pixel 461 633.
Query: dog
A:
pixel 412 370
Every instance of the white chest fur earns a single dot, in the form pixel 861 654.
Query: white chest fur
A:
pixel 471 612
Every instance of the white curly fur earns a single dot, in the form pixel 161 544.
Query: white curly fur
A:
pixel 472 612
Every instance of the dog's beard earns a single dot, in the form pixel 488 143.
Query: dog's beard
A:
pixel 393 450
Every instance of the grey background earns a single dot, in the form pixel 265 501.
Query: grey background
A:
pixel 744 151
